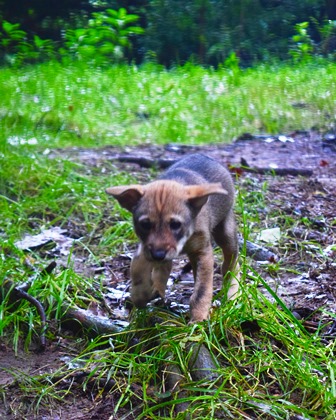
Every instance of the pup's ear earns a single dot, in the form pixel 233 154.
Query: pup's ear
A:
pixel 197 195
pixel 127 195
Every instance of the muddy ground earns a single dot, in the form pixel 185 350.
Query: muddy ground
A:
pixel 308 285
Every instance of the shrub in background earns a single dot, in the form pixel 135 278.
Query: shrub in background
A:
pixel 104 39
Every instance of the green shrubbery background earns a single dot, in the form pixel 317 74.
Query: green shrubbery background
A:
pixel 168 32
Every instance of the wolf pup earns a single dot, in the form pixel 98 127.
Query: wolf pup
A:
pixel 191 203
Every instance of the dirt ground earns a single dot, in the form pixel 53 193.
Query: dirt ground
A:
pixel 308 250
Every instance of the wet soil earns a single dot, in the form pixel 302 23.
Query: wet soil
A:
pixel 306 254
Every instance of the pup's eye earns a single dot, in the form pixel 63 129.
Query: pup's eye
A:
pixel 145 224
pixel 175 225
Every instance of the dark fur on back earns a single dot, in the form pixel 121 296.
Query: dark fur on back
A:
pixel 197 169
pixel 200 169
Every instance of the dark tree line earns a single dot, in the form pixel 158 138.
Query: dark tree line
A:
pixel 206 31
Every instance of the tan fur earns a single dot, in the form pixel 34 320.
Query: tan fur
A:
pixel 172 217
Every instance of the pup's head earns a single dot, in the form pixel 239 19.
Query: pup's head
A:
pixel 164 213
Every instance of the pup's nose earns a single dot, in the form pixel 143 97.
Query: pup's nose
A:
pixel 158 254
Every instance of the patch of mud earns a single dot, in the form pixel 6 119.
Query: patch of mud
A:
pixel 306 151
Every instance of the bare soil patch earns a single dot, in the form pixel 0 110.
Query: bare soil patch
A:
pixel 307 285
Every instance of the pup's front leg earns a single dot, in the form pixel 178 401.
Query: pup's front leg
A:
pixel 141 276
pixel 225 235
pixel 149 279
pixel 160 276
pixel 200 301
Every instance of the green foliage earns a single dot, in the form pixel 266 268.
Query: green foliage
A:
pixel 12 35
pixel 18 49
pixel 303 47
pixel 303 44
pixel 208 31
pixel 12 39
pixel 36 50
pixel 106 38
pixel 327 31
pixel 202 31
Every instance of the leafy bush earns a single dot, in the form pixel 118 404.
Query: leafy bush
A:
pixel 17 47
pixel 202 31
pixel 12 38
pixel 209 31
pixel 303 47
pixel 104 40
pixel 328 35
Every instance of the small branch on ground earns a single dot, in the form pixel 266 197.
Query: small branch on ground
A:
pixel 257 252
pixel 94 323
pixel 146 162
pixel 14 292
pixel 245 167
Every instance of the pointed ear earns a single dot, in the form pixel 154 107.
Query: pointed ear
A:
pixel 127 195
pixel 197 195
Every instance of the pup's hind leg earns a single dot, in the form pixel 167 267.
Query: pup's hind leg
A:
pixel 225 235
pixel 149 279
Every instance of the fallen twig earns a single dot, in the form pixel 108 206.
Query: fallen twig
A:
pixel 15 292
pixel 98 324
pixel 257 252
pixel 245 167
pixel 146 162
pixel 24 295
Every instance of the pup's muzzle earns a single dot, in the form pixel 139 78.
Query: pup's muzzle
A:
pixel 158 254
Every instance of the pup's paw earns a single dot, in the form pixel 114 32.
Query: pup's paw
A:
pixel 200 316
pixel 140 297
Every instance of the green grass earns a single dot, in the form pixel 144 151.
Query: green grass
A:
pixel 278 370
pixel 55 106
